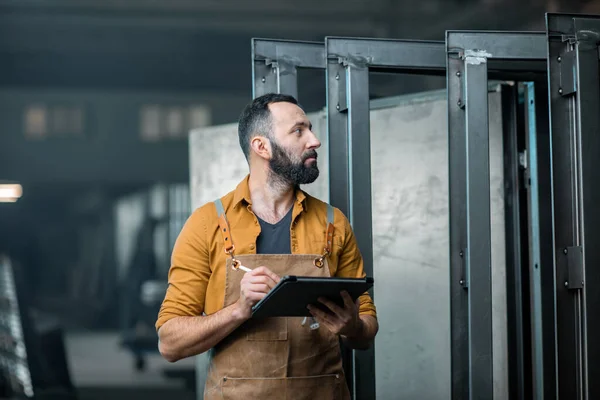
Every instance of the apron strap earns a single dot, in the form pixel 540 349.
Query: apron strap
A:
pixel 318 262
pixel 329 234
pixel 224 225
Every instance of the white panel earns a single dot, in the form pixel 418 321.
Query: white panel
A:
pixel 409 149
pixel 499 310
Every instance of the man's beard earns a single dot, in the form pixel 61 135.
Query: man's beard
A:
pixel 294 173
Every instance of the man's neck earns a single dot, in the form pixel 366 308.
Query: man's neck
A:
pixel 272 198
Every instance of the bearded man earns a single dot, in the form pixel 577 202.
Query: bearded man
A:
pixel 274 228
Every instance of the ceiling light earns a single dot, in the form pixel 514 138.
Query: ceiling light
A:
pixel 10 193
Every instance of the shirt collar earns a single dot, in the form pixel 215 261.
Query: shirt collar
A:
pixel 242 193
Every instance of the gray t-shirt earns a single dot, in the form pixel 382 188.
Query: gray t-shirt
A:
pixel 275 238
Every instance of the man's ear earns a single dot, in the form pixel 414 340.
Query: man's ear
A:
pixel 261 146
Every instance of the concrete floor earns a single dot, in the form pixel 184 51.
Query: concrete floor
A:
pixel 101 369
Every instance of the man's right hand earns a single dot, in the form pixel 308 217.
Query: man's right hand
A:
pixel 253 287
pixel 187 336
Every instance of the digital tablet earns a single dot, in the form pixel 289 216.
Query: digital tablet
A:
pixel 292 294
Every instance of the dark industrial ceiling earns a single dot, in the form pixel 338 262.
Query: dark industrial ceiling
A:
pixel 205 45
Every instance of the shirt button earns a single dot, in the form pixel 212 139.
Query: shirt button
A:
pixel 251 247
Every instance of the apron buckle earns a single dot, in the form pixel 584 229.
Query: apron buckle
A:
pixel 318 262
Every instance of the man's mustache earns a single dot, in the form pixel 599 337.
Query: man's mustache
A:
pixel 310 154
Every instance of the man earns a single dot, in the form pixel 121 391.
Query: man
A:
pixel 272 227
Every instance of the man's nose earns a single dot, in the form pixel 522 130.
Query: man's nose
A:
pixel 314 142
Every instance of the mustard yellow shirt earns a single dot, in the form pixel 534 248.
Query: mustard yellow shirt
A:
pixel 197 273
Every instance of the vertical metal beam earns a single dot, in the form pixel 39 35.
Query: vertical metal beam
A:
pixel 470 231
pixel 588 120
pixel 541 246
pixel 264 79
pixel 359 140
pixel 545 212
pixel 574 90
pixel 350 180
pixel 534 245
pixel 274 77
pixel 359 159
pixel 459 316
pixel 339 146
pixel 339 177
pixel 512 201
pixel 564 218
pixel 287 78
pixel 479 242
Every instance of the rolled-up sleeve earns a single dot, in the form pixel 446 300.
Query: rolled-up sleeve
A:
pixel 351 265
pixel 189 272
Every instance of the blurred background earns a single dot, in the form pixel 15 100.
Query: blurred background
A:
pixel 97 98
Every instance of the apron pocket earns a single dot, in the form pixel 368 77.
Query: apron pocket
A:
pixel 267 329
pixel 297 388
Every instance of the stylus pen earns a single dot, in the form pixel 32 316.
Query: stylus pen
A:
pixel 245 269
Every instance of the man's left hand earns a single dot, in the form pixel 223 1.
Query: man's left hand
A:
pixel 341 321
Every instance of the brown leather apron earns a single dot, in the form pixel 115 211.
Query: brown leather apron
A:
pixel 275 358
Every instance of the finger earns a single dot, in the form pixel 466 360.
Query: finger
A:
pixel 327 324
pixel 264 279
pixel 317 312
pixel 266 271
pixel 324 319
pixel 259 287
pixel 254 297
pixel 348 303
pixel 332 306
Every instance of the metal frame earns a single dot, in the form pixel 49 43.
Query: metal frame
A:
pixel 274 70
pixel 574 92
pixel 541 244
pixel 469 58
pixel 468 54
pixel 275 64
pixel 349 61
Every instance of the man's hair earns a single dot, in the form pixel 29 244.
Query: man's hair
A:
pixel 256 119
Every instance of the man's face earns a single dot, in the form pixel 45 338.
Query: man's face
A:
pixel 293 145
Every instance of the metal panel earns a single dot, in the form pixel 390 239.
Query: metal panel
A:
pixel 470 252
pixel 575 122
pixel 514 283
pixel 479 247
pixel 275 63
